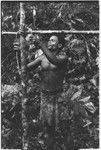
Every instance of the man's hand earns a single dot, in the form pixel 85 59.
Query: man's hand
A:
pixel 16 45
pixel 38 40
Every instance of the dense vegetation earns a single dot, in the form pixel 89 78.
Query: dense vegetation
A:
pixel 81 83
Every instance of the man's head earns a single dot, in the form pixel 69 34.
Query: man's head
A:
pixel 30 38
pixel 54 43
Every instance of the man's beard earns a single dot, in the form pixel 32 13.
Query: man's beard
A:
pixel 52 48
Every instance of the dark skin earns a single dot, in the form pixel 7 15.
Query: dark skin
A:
pixel 52 71
pixel 52 65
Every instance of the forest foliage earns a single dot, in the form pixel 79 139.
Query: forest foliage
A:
pixel 81 83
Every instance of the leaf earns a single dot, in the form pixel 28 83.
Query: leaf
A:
pixel 83 111
pixel 93 81
pixel 88 50
pixel 84 99
pixel 80 20
pixel 76 109
pixel 97 61
pixel 87 123
pixel 93 45
pixel 76 95
pixel 90 107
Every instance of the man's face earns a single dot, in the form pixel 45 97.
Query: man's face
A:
pixel 30 38
pixel 53 43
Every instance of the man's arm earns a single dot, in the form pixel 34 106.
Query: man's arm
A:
pixel 55 60
pixel 34 64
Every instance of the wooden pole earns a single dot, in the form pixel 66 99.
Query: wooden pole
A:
pixel 23 78
pixel 58 31
pixel 34 17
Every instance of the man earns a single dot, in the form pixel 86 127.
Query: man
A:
pixel 34 50
pixel 52 64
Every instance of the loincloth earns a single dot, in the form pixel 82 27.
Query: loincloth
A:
pixel 53 110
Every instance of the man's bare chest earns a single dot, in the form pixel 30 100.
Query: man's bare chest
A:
pixel 46 64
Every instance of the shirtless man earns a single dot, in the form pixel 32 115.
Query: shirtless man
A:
pixel 33 51
pixel 52 64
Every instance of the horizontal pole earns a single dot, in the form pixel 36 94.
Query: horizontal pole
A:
pixel 9 32
pixel 56 31
pixel 59 0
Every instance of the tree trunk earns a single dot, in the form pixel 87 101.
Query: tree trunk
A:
pixel 24 78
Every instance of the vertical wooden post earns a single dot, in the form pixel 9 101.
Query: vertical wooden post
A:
pixel 34 17
pixel 23 78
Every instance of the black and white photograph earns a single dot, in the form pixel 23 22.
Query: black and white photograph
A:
pixel 50 75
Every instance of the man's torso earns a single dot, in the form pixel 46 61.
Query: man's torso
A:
pixel 51 75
